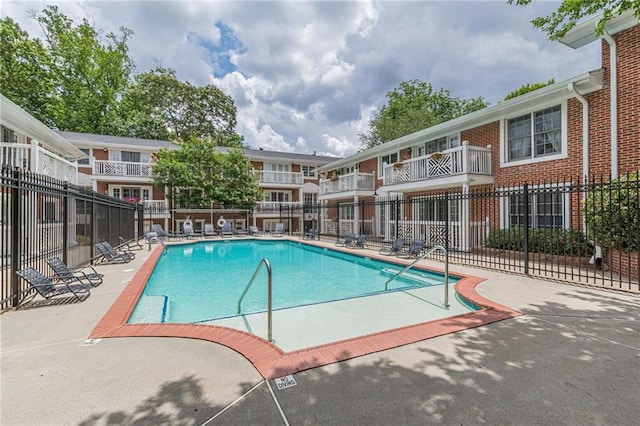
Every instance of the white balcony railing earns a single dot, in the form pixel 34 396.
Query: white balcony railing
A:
pixel 277 206
pixel 37 159
pixel 290 178
pixel 349 182
pixel 465 159
pixel 155 209
pixel 121 168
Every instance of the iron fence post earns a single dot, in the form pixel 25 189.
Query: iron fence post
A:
pixel 16 254
pixel 65 223
pixel 526 228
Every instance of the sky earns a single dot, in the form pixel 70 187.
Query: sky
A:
pixel 309 76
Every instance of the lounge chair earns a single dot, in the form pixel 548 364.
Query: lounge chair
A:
pixel 124 252
pixel 254 231
pixel 69 276
pixel 279 231
pixel 360 242
pixel 48 289
pixel 240 232
pixel 131 245
pixel 164 234
pixel 414 250
pixel 209 230
pixel 227 231
pixel 111 256
pixel 311 234
pixel 394 248
pixel 188 230
pixel 348 240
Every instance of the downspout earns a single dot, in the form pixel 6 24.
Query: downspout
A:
pixel 585 143
pixel 613 90
pixel 585 130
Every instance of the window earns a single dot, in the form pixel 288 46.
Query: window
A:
pixel 437 145
pixel 389 159
pixel 129 156
pixel 84 161
pixel 346 212
pixel 546 210
pixel 277 196
pixel 535 135
pixel 310 198
pixel 9 135
pixel 309 171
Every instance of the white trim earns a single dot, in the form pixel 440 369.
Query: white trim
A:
pixel 564 151
pixel 505 205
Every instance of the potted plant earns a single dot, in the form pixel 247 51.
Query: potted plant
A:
pixel 436 156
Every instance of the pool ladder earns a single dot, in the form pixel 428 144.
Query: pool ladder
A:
pixel 446 271
pixel 265 262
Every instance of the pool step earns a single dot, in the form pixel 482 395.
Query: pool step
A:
pixel 154 306
pixel 411 276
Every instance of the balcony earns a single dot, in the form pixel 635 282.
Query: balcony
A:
pixel 283 178
pixel 462 160
pixel 277 207
pixel 351 182
pixel 121 168
pixel 35 158
pixel 155 209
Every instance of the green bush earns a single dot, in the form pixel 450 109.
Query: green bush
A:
pixel 553 241
pixel 613 213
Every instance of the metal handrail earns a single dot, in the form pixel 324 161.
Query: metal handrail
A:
pixel 264 261
pixel 446 271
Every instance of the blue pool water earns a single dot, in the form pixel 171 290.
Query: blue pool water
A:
pixel 203 281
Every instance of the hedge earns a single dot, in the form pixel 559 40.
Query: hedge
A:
pixel 552 241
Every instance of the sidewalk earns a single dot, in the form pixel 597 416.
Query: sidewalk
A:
pixel 572 358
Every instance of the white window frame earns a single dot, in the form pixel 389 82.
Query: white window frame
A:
pixel 309 171
pixel 117 190
pixel 382 162
pixel 505 206
pixel 504 143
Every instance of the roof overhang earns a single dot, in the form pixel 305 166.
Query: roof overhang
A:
pixel 585 83
pixel 20 121
pixel 585 32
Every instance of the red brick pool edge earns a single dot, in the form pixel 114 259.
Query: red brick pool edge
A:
pixel 271 361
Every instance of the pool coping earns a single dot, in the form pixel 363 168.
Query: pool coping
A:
pixel 271 361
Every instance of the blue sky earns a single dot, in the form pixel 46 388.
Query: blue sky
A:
pixel 308 76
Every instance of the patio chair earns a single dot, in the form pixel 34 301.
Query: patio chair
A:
pixel 67 275
pixel 124 252
pixel 414 250
pixel 359 242
pixel 209 230
pixel 131 245
pixel 254 231
pixel 188 230
pixel 311 234
pixel 279 231
pixel 111 256
pixel 348 240
pixel 240 232
pixel 48 289
pixel 227 231
pixel 164 234
pixel 394 248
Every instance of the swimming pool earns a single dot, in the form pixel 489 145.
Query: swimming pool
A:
pixel 203 281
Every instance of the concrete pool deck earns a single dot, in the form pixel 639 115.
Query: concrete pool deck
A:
pixel 571 358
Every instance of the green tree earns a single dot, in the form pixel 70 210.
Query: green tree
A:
pixel 198 174
pixel 526 88
pixel 90 72
pixel 613 213
pixel 24 70
pixel 413 106
pixel 570 12
pixel 159 106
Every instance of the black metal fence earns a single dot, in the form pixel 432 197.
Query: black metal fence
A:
pixel 576 231
pixel 44 217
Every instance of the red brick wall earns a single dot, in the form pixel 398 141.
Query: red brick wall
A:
pixel 628 44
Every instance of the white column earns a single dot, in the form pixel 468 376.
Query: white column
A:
pixel 35 157
pixel 465 223
pixel 356 216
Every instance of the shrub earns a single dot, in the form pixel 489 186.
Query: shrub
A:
pixel 552 241
pixel 613 213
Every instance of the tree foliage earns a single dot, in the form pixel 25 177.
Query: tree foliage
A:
pixel 24 70
pixel 159 106
pixel 198 174
pixel 613 213
pixel 89 72
pixel 80 80
pixel 526 88
pixel 413 106
pixel 570 12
